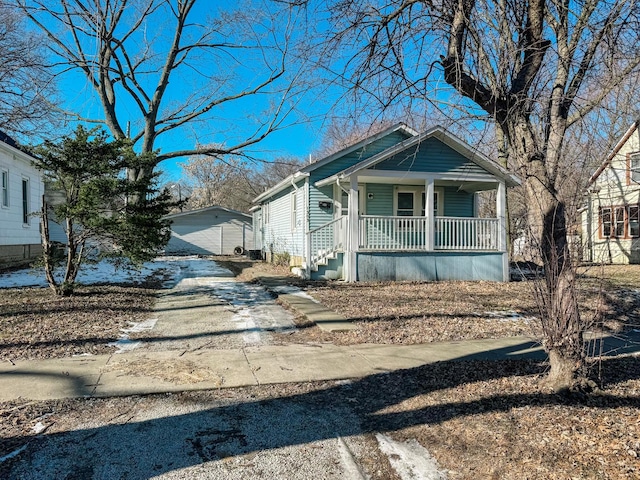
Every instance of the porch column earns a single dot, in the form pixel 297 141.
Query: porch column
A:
pixel 501 213
pixel 353 233
pixel 430 234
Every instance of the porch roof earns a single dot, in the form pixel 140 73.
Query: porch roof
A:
pixel 445 137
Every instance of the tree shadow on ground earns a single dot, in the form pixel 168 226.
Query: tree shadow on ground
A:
pixel 218 425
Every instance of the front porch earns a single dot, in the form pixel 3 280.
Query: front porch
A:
pixel 379 247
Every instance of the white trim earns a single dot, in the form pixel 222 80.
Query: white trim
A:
pixel 293 210
pixel 417 191
pixel 391 174
pixel 353 235
pixel 206 209
pixel 5 188
pixel 280 186
pixel 445 137
pixel 25 196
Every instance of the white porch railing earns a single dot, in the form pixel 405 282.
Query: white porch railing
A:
pixel 410 233
pixel 463 233
pixel 327 240
pixel 392 233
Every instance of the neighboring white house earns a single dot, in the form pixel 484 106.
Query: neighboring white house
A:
pixel 611 218
pixel 21 194
pixel 397 205
pixel 210 231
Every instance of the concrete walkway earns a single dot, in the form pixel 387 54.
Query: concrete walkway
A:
pixel 145 371
pixel 142 372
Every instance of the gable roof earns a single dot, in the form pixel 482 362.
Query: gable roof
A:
pixel 10 144
pixel 614 152
pixel 445 137
pixel 304 171
pixel 207 209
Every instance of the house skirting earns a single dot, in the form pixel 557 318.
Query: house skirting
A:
pixel 16 255
pixel 432 266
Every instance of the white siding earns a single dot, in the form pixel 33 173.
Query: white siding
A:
pixel 282 231
pixel 13 231
pixel 212 231
pixel 612 188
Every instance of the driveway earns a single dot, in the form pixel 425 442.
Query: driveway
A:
pixel 283 431
pixel 206 308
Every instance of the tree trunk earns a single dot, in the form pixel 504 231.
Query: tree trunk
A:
pixel 561 323
pixel 48 252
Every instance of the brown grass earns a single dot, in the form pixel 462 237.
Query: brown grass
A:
pixel 480 420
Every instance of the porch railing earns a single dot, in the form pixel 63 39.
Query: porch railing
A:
pixel 327 240
pixel 410 233
pixel 392 233
pixel 463 233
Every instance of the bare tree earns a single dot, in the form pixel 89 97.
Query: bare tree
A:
pixel 27 94
pixel 161 67
pixel 536 69
pixel 232 182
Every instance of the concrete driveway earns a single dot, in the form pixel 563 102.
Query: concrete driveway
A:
pixel 281 431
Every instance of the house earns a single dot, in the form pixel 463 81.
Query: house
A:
pixel 210 231
pixel 611 216
pixel 396 206
pixel 22 189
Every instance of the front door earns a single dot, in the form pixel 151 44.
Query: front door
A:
pixel 341 209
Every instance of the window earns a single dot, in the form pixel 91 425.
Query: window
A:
pixel 605 221
pixel 5 188
pixel 620 221
pixel 634 167
pixel 407 203
pixel 25 201
pixel 634 221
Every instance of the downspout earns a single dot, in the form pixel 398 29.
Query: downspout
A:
pixel 295 220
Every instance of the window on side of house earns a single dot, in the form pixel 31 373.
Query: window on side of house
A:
pixel 634 167
pixel 634 221
pixel 620 221
pixel 25 201
pixel 605 221
pixel 5 189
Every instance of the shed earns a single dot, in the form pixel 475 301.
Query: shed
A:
pixel 210 231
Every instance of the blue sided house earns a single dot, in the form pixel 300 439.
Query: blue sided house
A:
pixel 396 206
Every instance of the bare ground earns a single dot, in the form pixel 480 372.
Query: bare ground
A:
pixel 478 419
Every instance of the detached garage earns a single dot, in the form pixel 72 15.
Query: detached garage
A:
pixel 210 231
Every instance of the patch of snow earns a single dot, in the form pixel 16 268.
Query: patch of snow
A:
pixel 39 428
pixel 409 459
pixel 124 343
pixel 175 268
pixel 15 453
pixel 506 315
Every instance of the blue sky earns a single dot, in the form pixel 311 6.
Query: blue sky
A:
pixel 299 139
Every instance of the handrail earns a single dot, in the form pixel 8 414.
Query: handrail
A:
pixel 327 240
